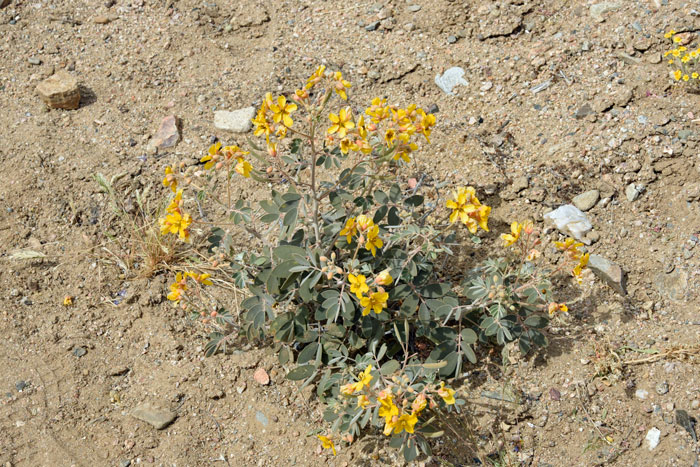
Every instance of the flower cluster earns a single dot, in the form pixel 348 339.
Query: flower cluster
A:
pixel 179 288
pixel 374 300
pixel 570 247
pixel 366 231
pixel 176 221
pixel 683 60
pixel 219 157
pixel 467 209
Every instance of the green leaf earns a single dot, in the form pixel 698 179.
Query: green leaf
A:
pixel 381 197
pixel 394 218
pixel 468 336
pixel 410 451
pixel 414 201
pixel 287 252
pixel 301 372
pixel 379 215
pixel 390 367
pixel 468 352
pixel 284 355
pixel 308 353
pixel 395 193
pixel 536 321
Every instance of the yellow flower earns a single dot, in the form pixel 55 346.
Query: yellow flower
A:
pixel 477 216
pixel 350 229
pixel 578 270
pixel 426 123
pixel 348 145
pixel 682 49
pixel 685 58
pixel 177 288
pixel 463 197
pixel 554 307
pixel 262 125
pixel 202 279
pixel 390 136
pixel 363 401
pixel 373 241
pixel 174 205
pixel 670 62
pixel 315 77
pixel 405 422
pixel 243 167
pixel 511 238
pixel 170 179
pixel 384 278
pixel 176 223
pixel 67 300
pixel 419 403
pixel 364 379
pixel 693 54
pixel 282 111
pixel 210 157
pixel 341 122
pixel 340 85
pixel 695 75
pixel 376 301
pixel 447 394
pixel 669 34
pixel 347 389
pixel 358 285
pixel 387 409
pixel 676 39
pixel 686 77
pixel 327 443
pixel 364 222
pixel 570 247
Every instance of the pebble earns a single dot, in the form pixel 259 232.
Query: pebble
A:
pixel 451 39
pixel 598 10
pixel 79 351
pixel 486 86
pixel 168 135
pixel 586 201
pixel 662 388
pixel 34 61
pixel 672 284
pixel 26 301
pixel 60 91
pixel 632 192
pixel 433 109
pixel 450 79
pixel 520 184
pixel 652 438
pixel 261 418
pixel 261 376
pixel 101 19
pixel 593 237
pixel 21 385
pixel 608 272
pixel 372 26
pixel 157 417
pixel 695 404
pixel 641 394
pixel 237 121
pixel 584 111
pixel 414 8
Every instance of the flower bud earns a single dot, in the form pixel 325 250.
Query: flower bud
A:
pixel 384 278
pixel 363 222
pixel 323 259
pixel 214 263
pixel 219 165
pixel 269 170
pixel 213 314
pixel 182 164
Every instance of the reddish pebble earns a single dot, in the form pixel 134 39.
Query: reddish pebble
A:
pixel 261 376
pixel 412 183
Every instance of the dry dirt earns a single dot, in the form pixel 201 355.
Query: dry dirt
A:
pixel 69 376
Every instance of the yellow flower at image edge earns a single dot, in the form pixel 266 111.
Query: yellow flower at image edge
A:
pixel 578 270
pixel 376 302
pixel 358 285
pixel 447 394
pixel 327 443
pixel 213 151
pixel 555 307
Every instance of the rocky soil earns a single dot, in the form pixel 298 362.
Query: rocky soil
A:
pixel 561 101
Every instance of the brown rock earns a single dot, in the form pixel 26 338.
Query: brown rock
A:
pixel 60 91
pixel 101 19
pixel 168 134
pixel 261 376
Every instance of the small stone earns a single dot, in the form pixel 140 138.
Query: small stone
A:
pixel 652 438
pixel 216 394
pixel 79 351
pixel 261 418
pixel 34 61
pixel 26 301
pixel 101 19
pixel 608 272
pixel 261 376
pixel 21 385
pixel 598 10
pixel 554 394
pixel 385 13
pixel 593 237
pixel 450 79
pixel 372 26
pixel 695 404
pixel 451 39
pixel 157 417
pixel 241 388
pixel 433 109
pixel 662 388
pixel 237 121
pixel 633 191
pixel 672 285
pixel 654 58
pixel 118 370
pixel 168 135
pixel 125 463
pixel 641 394
pixel 486 86
pixel 586 201
pixel 584 111
pixel 414 8
pixel 60 91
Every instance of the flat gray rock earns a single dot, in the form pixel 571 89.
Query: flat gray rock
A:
pixel 450 79
pixel 608 272
pixel 237 121
pixel 155 416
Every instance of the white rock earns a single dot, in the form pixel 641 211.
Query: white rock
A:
pixel 237 121
pixel 652 438
pixel 641 394
pixel 450 79
pixel 569 220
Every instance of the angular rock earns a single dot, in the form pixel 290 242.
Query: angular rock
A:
pixel 237 121
pixel 451 78
pixel 652 438
pixel 584 111
pixel 586 201
pixel 633 191
pixel 168 134
pixel 60 91
pixel 520 184
pixel 599 9
pixel 569 220
pixel 157 417
pixel 672 285
pixel 608 272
